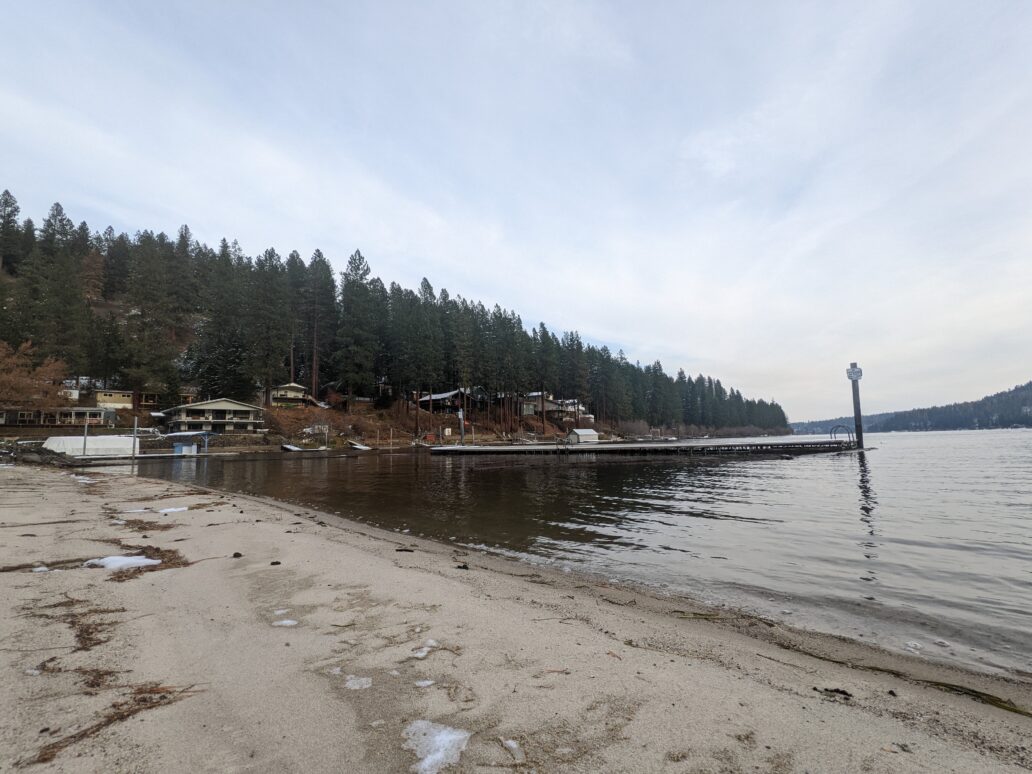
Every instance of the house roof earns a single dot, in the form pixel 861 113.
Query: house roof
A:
pixel 583 431
pixel 445 395
pixel 213 401
pixel 294 385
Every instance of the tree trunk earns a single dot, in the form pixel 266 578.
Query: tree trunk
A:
pixel 315 359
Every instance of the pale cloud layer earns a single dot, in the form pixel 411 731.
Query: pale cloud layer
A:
pixel 760 191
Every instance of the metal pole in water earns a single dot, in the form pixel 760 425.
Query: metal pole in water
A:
pixel 462 427
pixel 854 373
pixel 135 421
pixel 85 432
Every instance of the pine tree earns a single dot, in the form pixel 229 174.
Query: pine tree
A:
pixel 269 321
pixel 297 282
pixel 357 337
pixel 320 317
pixel 10 233
pixel 57 231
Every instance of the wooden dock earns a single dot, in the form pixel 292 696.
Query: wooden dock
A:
pixel 696 448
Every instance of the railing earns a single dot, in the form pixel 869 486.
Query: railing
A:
pixel 837 428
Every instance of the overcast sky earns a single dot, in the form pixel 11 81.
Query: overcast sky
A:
pixel 758 191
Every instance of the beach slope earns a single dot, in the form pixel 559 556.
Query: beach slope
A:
pixel 274 638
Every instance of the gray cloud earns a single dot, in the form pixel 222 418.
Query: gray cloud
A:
pixel 761 193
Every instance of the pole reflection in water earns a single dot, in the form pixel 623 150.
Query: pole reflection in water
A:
pixel 868 504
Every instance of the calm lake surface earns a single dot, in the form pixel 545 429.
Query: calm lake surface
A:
pixel 922 543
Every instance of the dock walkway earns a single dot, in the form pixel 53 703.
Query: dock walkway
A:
pixel 687 448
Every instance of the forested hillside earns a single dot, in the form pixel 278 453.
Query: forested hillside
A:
pixel 152 312
pixel 1004 409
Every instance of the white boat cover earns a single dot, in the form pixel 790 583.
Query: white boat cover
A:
pixel 96 445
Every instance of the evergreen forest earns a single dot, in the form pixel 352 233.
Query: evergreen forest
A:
pixel 1010 408
pixel 150 312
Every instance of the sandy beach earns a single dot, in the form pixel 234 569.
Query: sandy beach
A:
pixel 275 638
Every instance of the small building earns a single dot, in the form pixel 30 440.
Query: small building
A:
pixel 221 415
pixel 291 394
pixel 114 399
pixel 581 435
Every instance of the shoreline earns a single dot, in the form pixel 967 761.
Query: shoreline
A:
pixel 822 645
pixel 580 674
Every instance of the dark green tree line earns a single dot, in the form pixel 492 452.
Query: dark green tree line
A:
pixel 150 312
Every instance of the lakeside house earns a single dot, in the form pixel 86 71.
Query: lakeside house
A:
pixel 221 415
pixel 150 397
pixel 557 410
pixel 290 394
pixel 531 404
pixel 115 399
pixel 450 402
pixel 69 416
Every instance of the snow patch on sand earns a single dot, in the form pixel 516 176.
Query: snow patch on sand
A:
pixel 285 622
pixel 514 748
pixel 426 649
pixel 85 479
pixel 173 510
pixel 353 683
pixel 424 683
pixel 434 744
pixel 41 569
pixel 121 562
pixel 137 510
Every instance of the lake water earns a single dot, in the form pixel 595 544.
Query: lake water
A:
pixel 923 542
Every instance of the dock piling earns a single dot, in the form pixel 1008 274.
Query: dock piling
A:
pixel 854 373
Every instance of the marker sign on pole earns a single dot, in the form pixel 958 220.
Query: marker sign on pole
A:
pixel 854 374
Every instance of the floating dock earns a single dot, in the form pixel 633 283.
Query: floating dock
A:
pixel 695 448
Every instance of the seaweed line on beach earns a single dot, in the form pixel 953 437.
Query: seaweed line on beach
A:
pixel 144 696
pixel 961 690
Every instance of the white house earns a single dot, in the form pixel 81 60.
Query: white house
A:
pixel 290 394
pixel 221 415
pixel 582 436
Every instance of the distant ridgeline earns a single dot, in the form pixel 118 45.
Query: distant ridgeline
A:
pixel 149 312
pixel 1012 408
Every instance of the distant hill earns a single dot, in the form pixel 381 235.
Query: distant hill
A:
pixel 823 426
pixel 1004 409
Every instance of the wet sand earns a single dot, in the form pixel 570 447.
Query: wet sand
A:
pixel 182 666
